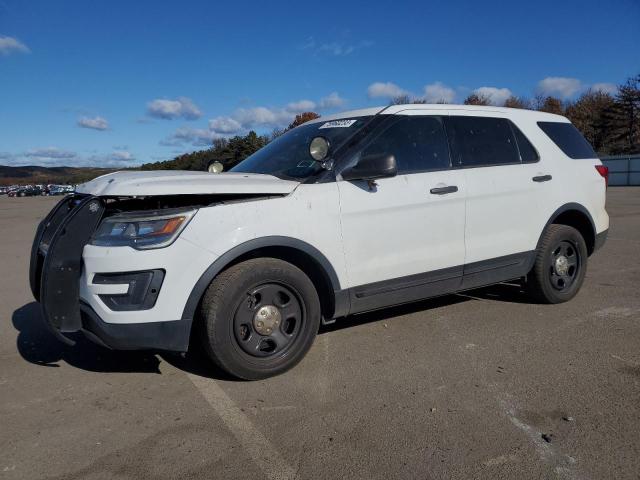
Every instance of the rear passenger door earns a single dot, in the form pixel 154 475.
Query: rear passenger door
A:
pixel 404 238
pixel 500 169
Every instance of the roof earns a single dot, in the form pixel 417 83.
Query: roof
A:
pixel 443 107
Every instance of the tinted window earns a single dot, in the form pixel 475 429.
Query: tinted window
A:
pixel 480 141
pixel 418 143
pixel 569 139
pixel 528 153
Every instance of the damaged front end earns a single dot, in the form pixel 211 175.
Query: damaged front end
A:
pixel 143 223
pixel 56 260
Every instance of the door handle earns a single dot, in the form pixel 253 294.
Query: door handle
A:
pixel 444 190
pixel 542 178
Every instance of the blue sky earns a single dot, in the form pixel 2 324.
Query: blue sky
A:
pixel 119 83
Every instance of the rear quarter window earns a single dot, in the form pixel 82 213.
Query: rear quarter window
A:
pixel 568 139
pixel 482 141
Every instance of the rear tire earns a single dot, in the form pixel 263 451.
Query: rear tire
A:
pixel 560 265
pixel 260 318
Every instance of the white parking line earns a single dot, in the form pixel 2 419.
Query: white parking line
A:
pixel 259 448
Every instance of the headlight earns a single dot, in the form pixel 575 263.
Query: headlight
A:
pixel 142 230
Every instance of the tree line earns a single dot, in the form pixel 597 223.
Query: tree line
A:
pixel 229 151
pixel 610 122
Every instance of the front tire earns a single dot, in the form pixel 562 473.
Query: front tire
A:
pixel 260 318
pixel 560 265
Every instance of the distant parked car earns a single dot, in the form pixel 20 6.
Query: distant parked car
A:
pixel 60 189
pixel 4 190
pixel 28 191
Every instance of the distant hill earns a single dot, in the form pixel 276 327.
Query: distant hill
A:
pixel 43 175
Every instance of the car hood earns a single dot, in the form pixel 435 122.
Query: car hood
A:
pixel 168 182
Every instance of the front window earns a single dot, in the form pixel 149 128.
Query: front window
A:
pixel 288 155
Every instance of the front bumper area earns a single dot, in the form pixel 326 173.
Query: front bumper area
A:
pixel 118 297
pixel 172 335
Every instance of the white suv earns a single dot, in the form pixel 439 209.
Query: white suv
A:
pixel 341 215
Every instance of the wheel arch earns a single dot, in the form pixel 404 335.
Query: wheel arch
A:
pixel 297 252
pixel 577 216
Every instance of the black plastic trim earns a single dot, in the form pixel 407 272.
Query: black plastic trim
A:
pixel 487 272
pixel 396 291
pixel 62 267
pixel 542 178
pixel 444 190
pixel 444 281
pixel 565 208
pixel 47 226
pixel 144 288
pixel 171 335
pixel 601 238
pixel 271 241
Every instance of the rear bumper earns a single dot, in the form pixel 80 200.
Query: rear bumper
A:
pixel 172 335
pixel 601 238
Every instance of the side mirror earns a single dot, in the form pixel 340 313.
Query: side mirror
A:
pixel 371 167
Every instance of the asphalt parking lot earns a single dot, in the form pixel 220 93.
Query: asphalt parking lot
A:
pixel 480 385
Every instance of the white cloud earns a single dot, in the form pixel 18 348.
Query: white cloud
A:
pixel 385 90
pixel 439 92
pixel 224 125
pixel 50 153
pixel 9 45
pixel 333 100
pixel 562 87
pixel 199 137
pixel 170 109
pixel 496 96
pixel 609 88
pixel 122 156
pixel 97 123
pixel 301 106
pixel 262 117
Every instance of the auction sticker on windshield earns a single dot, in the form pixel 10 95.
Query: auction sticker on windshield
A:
pixel 338 124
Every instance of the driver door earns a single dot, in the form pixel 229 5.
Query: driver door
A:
pixel 404 237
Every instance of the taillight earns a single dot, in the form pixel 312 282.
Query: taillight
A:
pixel 604 173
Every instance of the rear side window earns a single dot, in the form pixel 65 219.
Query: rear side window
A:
pixel 482 141
pixel 418 143
pixel 528 153
pixel 568 139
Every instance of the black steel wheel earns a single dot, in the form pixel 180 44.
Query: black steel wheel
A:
pixel 268 320
pixel 560 265
pixel 564 265
pixel 259 318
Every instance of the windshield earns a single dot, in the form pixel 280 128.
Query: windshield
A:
pixel 288 155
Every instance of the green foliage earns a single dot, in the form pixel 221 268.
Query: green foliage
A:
pixel 228 152
pixel 589 114
pixel 623 119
